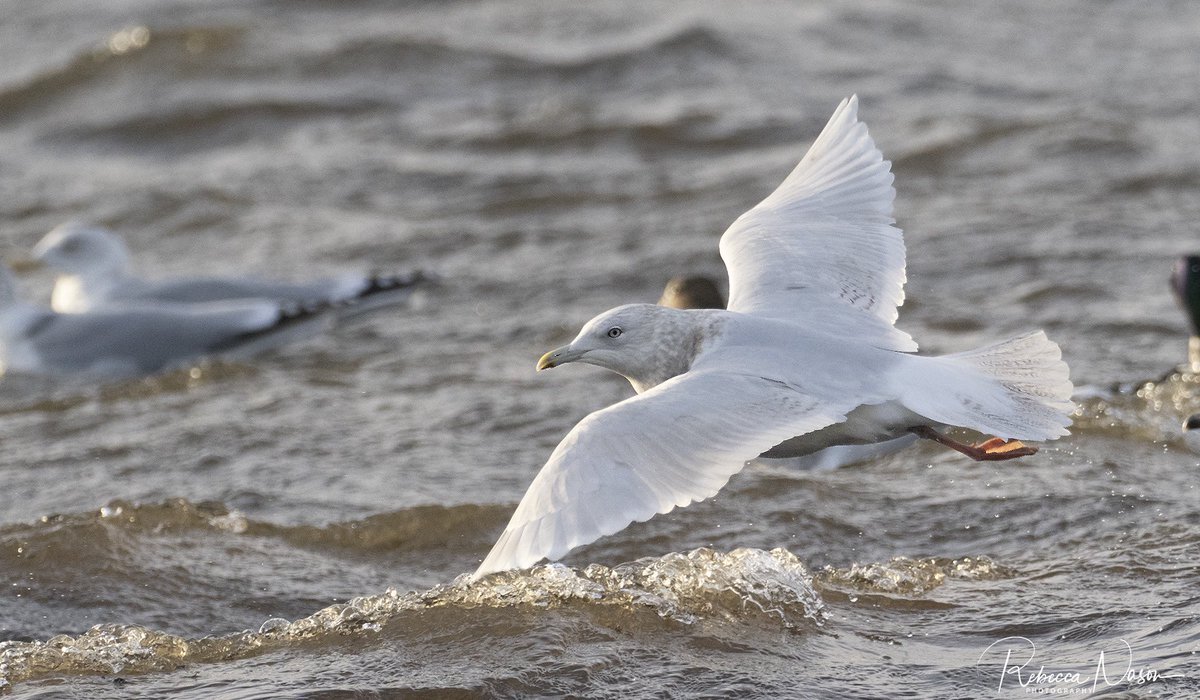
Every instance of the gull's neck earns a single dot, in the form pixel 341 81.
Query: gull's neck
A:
pixel 77 293
pixel 680 337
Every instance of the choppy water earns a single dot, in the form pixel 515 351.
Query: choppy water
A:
pixel 295 526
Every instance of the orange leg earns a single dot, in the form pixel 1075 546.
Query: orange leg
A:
pixel 990 450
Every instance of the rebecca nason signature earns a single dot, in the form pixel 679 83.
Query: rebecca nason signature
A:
pixel 1016 658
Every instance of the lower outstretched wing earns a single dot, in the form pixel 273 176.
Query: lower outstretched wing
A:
pixel 675 444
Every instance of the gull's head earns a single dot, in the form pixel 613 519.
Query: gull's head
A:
pixel 645 343
pixel 692 292
pixel 79 248
pixel 1191 432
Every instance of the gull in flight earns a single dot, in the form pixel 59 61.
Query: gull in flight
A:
pixel 120 342
pixel 805 356
pixel 95 271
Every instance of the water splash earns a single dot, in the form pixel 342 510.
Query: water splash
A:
pixel 704 582
pixel 911 577
pixel 743 585
pixel 1151 410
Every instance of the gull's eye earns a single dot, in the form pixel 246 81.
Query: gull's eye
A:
pixel 72 245
pixel 615 332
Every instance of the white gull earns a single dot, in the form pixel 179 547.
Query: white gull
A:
pixel 806 356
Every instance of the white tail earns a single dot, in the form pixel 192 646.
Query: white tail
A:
pixel 1016 389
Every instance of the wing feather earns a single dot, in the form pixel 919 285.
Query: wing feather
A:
pixel 823 243
pixel 675 444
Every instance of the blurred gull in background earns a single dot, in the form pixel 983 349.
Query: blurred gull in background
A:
pixel 95 271
pixel 115 342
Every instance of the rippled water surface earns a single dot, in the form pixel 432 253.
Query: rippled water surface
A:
pixel 296 526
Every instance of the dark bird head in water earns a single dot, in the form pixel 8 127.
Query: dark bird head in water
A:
pixel 694 292
pixel 1185 282
pixel 1191 432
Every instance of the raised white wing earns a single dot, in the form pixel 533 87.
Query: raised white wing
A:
pixel 821 249
pixel 675 444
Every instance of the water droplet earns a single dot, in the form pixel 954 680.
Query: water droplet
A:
pixel 275 624
pixel 128 39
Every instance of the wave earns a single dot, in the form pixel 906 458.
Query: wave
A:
pixel 43 394
pixel 1151 411
pixel 525 61
pixel 946 144
pixel 85 534
pixel 949 144
pixel 327 82
pixel 1165 179
pixel 747 589
pixel 198 124
pixel 743 586
pixel 107 57
pixel 909 577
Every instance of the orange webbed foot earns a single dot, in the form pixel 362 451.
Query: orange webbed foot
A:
pixel 990 450
pixel 997 449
